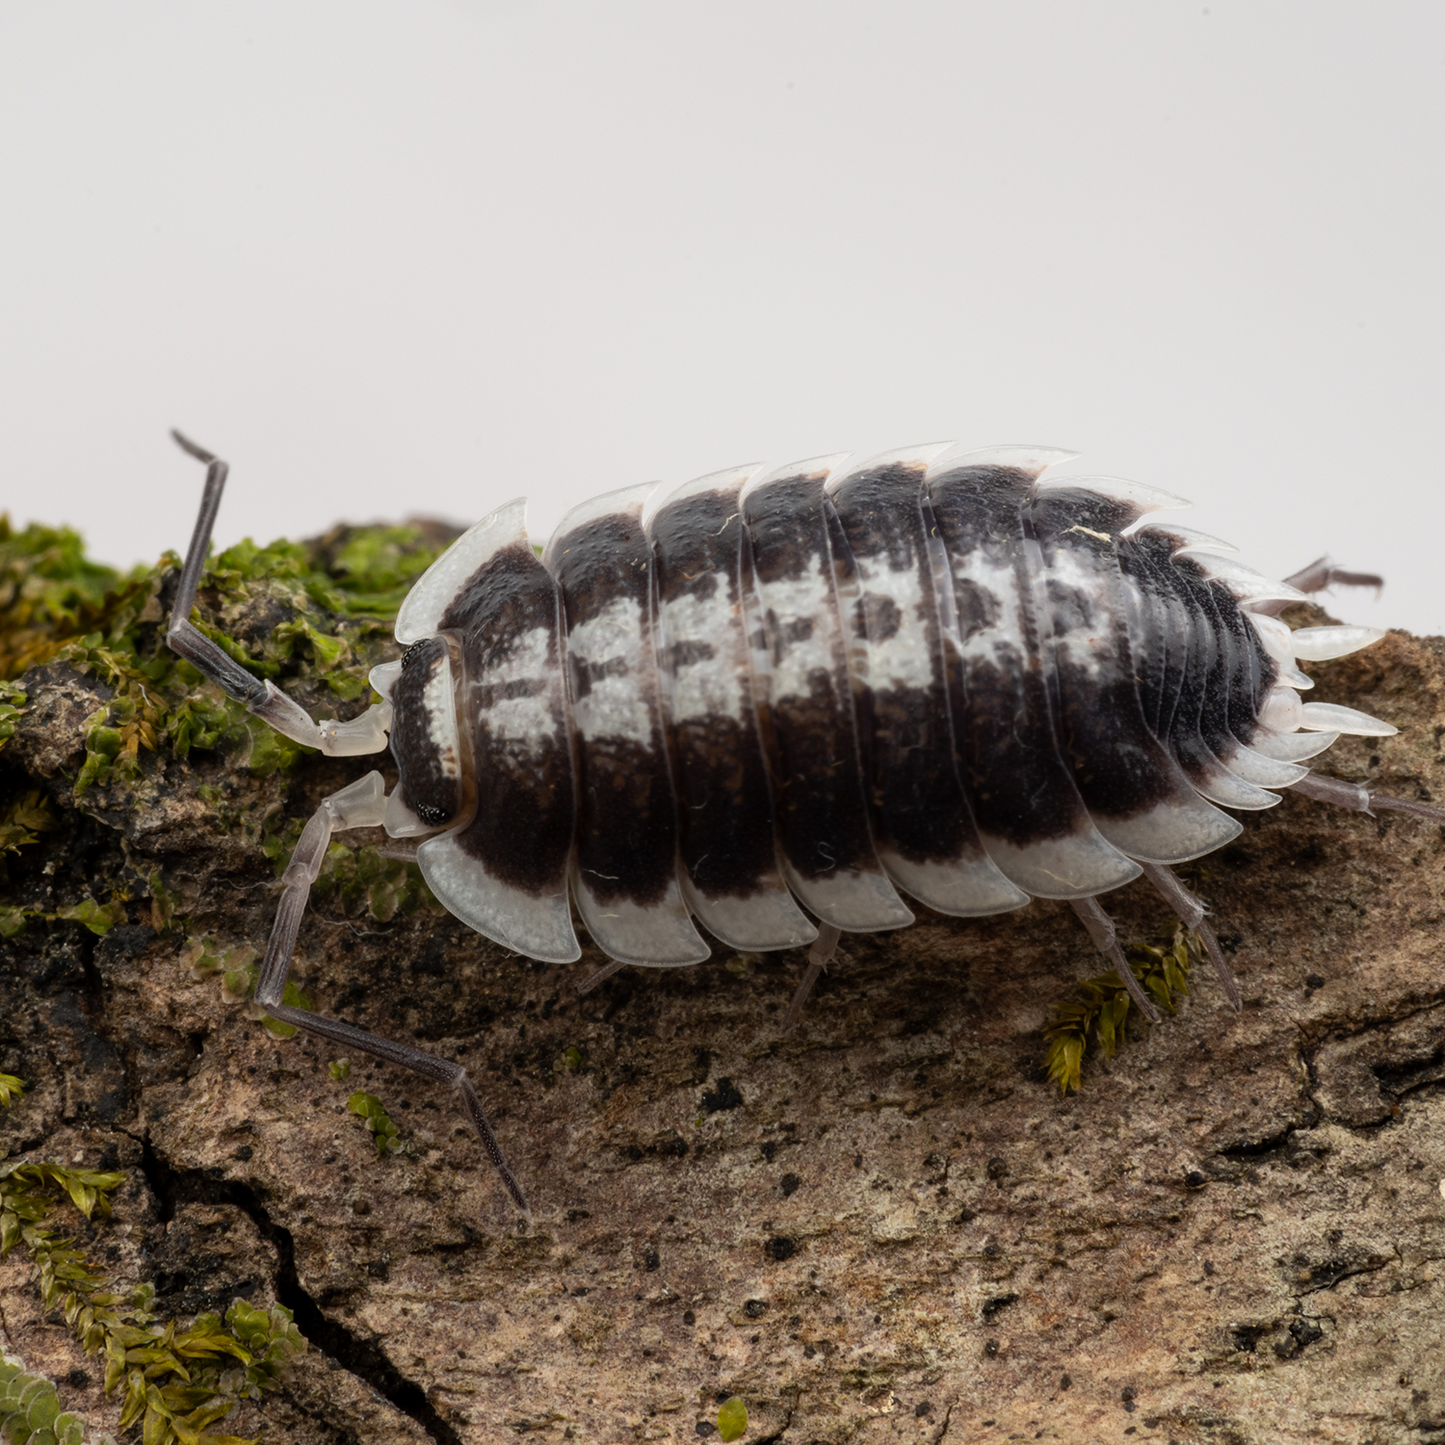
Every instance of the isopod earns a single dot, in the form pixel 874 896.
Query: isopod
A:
pixel 778 703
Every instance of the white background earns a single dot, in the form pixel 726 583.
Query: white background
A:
pixel 411 258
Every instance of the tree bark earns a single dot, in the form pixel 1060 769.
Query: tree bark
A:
pixel 887 1226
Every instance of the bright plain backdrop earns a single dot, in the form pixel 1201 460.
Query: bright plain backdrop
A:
pixel 396 259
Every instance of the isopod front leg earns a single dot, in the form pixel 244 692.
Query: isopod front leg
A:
pixel 819 956
pixel 361 804
pixel 1191 914
pixel 1101 930
pixel 364 734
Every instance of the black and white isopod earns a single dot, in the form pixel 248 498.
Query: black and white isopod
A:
pixel 778 703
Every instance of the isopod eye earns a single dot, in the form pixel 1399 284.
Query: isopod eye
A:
pixel 418 649
pixel 431 815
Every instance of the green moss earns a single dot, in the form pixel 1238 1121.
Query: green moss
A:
pixel 378 566
pixel 98 917
pixel 299 613
pixel 1101 1005
pixel 314 616
pixel 240 972
pixel 358 878
pixel 732 1419
pixel 49 591
pixel 383 1132
pixel 175 1381
pixel 30 1412
pixel 164 900
pixel 23 819
pixel 12 703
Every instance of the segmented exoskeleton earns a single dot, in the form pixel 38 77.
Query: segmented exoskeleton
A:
pixel 785 700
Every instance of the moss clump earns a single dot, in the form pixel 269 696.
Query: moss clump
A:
pixel 313 616
pixel 30 1412
pixel 50 592
pixel 239 972
pixel 1101 1005
pixel 384 1132
pixel 99 918
pixel 23 818
pixel 175 1382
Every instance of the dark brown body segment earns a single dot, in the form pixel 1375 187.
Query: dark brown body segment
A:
pixel 1018 784
pixel 429 769
pixel 822 812
pixel 507 619
pixel 1119 767
pixel 725 814
pixel 919 806
pixel 627 817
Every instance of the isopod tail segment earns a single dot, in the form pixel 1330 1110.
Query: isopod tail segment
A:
pixel 362 804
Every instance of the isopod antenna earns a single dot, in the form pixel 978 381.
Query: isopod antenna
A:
pixel 364 734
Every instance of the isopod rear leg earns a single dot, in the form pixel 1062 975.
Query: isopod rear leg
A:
pixel 1361 800
pixel 361 804
pixel 1191 914
pixel 1319 575
pixel 819 956
pixel 364 734
pixel 1101 930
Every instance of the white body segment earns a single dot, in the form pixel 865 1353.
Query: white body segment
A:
pixel 616 718
pixel 1082 862
pixel 806 653
pixel 706 681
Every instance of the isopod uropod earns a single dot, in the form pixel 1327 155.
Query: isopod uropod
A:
pixel 781 702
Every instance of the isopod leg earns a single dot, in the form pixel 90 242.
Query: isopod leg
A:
pixel 601 975
pixel 1101 930
pixel 1320 574
pixel 819 955
pixel 1316 578
pixel 364 734
pixel 1361 800
pixel 1191 914
pixel 359 805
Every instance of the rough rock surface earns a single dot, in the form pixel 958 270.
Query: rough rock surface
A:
pixel 888 1227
